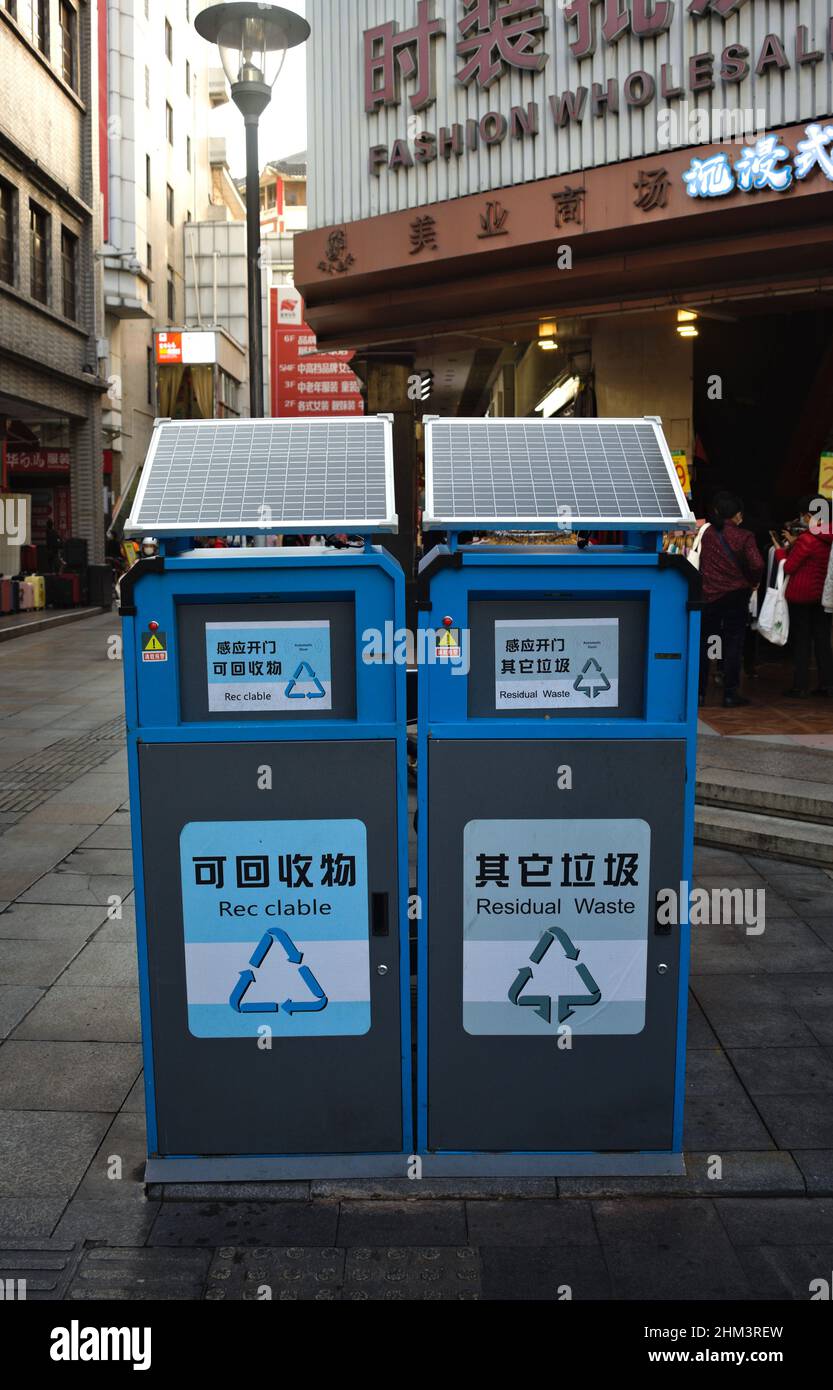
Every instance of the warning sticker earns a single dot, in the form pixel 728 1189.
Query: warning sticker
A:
pixel 269 666
pixel 154 646
pixel 448 644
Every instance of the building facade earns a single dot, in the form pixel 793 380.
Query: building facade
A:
pixel 52 358
pixel 607 206
pixel 159 92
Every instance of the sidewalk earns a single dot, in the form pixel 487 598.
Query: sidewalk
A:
pixel 760 1093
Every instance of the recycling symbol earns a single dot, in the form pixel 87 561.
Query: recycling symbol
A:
pixel 592 682
pixel 312 1005
pixel 305 673
pixel 542 1003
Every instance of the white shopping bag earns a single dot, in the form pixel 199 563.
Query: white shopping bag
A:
pixel 774 618
pixel 693 556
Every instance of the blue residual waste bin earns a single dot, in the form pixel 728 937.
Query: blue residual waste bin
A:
pixel 268 778
pixel 557 728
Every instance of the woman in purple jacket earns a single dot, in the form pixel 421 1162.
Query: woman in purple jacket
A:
pixel 730 567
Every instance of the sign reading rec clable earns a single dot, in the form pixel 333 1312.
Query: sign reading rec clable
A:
pixel 563 663
pixel 269 666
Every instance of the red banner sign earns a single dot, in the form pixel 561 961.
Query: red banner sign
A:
pixel 305 382
pixel 38 461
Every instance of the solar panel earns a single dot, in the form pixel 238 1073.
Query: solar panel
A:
pixel 228 477
pixel 551 474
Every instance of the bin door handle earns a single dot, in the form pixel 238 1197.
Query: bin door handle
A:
pixel 379 914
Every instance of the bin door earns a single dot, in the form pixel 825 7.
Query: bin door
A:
pixel 270 879
pixel 552 1026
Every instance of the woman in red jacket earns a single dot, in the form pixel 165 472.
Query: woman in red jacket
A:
pixel 806 555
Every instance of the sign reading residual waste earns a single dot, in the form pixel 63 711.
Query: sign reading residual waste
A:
pixel 276 928
pixel 555 926
pixel 558 663
pixel 268 666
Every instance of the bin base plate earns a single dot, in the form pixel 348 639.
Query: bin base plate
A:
pixel 323 1167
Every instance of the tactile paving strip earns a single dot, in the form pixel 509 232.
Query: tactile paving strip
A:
pixel 37 1271
pixel 357 1275
pixel 27 784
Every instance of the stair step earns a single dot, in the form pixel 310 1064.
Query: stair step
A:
pixel 783 838
pixel 791 798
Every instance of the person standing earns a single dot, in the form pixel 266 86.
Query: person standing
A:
pixel 805 551
pixel 731 567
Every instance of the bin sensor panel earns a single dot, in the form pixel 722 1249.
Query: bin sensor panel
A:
pixel 241 477
pixel 491 475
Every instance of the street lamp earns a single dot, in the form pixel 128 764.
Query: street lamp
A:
pixel 253 40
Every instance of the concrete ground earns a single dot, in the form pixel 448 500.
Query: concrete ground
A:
pixel 760 1087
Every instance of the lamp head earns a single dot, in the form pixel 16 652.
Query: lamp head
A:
pixel 253 40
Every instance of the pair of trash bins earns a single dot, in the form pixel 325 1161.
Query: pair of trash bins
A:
pixel 267 737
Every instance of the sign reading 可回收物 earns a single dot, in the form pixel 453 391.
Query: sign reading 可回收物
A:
pixel 276 928
pixel 560 663
pixel 269 666
pixel 555 926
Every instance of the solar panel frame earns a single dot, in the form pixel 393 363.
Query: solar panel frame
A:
pixel 259 471
pixel 504 517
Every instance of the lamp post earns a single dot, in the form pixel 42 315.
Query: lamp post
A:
pixel 253 40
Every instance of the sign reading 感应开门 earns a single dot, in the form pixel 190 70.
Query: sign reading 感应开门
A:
pixel 276 928
pixel 258 667
pixel 555 926
pixel 560 663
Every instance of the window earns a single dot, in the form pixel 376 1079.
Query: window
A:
pixel 149 257
pixel 38 253
pixel 8 207
pixel 68 21
pixel 147 88
pixel 42 26
pixel 169 122
pixel 268 197
pixel 149 361
pixel 171 296
pixel 170 205
pixel 11 6
pixel 228 403
pixel 296 194
pixel 169 42
pixel 188 153
pixel 69 274
pixel 147 174
pixel 187 79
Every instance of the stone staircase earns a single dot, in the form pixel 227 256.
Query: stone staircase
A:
pixel 765 798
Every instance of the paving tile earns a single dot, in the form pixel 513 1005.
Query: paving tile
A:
pixel 291 1275
pixel 104 1015
pixel 777 1221
pixel 15 1003
pixel 800 1121
pixel 787 1272
pixel 67 1075
pixel 757 1025
pixel 724 1121
pixel 783 1070
pixel 530 1223
pixel 45 1154
pixel 78 889
pixel 710 1073
pixel 245 1223
pixel 36 963
pixel 122 1224
pixel 743 1173
pixel 135 1100
pixel 534 1274
pixel 110 836
pixel 401 1223
pixel 138 1275
pixel 46 1265
pixel 48 922
pixel 117 1170
pixel 103 964
pixel 667 1249
pixel 102 862
pixel 700 1033
pixel 816 1167
pixel 29 1217
pixel 429 1189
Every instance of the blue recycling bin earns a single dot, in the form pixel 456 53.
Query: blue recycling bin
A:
pixel 268 784
pixel 557 740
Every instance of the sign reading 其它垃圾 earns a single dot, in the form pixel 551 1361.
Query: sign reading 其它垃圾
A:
pixel 555 926
pixel 276 928
pixel 559 663
pixel 269 666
